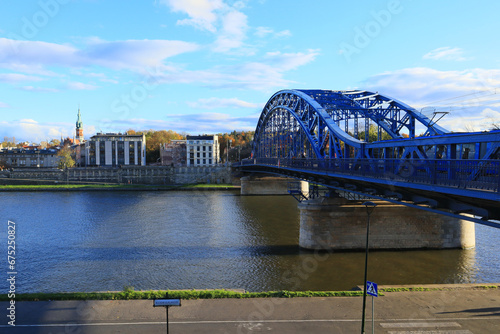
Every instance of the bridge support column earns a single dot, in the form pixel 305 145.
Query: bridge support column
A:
pixel 270 185
pixel 338 224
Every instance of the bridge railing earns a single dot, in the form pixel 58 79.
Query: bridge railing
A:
pixel 464 174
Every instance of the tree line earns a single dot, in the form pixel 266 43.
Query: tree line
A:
pixel 9 142
pixel 240 143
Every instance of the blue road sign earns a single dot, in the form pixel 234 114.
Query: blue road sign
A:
pixel 167 302
pixel 372 288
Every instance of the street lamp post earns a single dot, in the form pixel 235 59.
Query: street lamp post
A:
pixel 227 151
pixel 87 153
pixel 370 206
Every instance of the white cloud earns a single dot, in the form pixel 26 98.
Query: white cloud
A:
pixel 227 22
pixel 202 13
pixel 80 86
pixel 39 89
pixel 113 81
pixel 214 103
pixel 284 33
pixel 96 75
pixel 4 105
pixel 30 68
pixel 99 76
pixel 263 75
pixel 233 32
pixel 130 54
pixel 491 114
pixel 15 52
pixel 263 32
pixel 27 121
pixel 445 53
pixel 290 61
pixel 16 77
pixel 134 54
pixel 211 122
pixel 474 119
pixel 31 130
pixel 144 56
pixel 422 86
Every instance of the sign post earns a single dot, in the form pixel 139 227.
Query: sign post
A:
pixel 372 290
pixel 167 302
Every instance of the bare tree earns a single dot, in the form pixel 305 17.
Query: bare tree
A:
pixel 469 128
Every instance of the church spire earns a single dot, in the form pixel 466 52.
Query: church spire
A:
pixel 79 119
pixel 79 126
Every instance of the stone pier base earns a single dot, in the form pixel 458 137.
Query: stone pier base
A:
pixel 269 185
pixel 339 224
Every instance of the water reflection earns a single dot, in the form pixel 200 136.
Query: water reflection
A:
pixel 91 241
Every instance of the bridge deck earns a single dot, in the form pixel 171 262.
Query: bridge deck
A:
pixel 458 187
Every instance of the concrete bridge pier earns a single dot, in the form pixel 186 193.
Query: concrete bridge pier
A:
pixel 338 224
pixel 270 185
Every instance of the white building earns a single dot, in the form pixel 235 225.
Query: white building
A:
pixel 115 149
pixel 202 150
pixel 20 157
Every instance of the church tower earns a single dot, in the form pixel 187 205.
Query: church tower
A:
pixel 79 127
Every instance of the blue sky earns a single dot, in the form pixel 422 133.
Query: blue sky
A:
pixel 207 66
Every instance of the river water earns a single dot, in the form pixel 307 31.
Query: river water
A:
pixel 107 240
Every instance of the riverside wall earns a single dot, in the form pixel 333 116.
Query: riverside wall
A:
pixel 271 185
pixel 159 175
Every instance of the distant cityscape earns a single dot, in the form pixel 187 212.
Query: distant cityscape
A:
pixel 131 148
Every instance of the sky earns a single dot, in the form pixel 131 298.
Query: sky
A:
pixel 210 66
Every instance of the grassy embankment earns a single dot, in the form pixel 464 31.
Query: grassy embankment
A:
pixel 204 185
pixel 129 293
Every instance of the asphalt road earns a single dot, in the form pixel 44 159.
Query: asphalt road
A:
pixel 458 311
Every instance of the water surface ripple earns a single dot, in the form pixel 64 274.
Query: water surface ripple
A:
pixel 99 241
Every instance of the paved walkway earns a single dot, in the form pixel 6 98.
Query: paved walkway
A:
pixel 463 310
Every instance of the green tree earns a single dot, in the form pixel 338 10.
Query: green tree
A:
pixel 153 141
pixel 373 135
pixel 65 158
pixel 239 147
pixel 9 142
pixel 54 142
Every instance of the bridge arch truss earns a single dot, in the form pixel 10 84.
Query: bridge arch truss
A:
pixel 336 124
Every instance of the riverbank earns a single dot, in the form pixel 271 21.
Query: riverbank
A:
pixel 150 175
pixel 115 187
pixel 130 294
pixel 464 309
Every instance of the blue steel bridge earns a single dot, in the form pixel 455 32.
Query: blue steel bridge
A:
pixel 369 144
